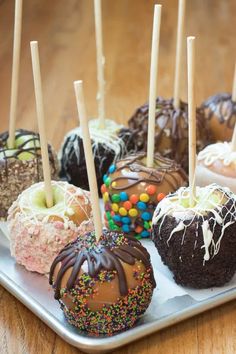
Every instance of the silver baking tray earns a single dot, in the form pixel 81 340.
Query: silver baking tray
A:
pixel 35 293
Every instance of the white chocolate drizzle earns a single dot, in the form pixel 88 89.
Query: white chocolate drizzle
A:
pixel 219 151
pixel 32 212
pixel 210 199
pixel 107 137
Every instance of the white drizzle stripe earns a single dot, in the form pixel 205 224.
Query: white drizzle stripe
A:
pixel 32 214
pixel 218 151
pixel 107 137
pixel 185 216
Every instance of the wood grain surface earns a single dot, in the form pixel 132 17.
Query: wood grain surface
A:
pixel 65 31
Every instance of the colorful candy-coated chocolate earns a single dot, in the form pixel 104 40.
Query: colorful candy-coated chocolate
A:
pixel 103 189
pixel 126 220
pixel 127 205
pixel 144 197
pixel 115 198
pixel 123 196
pixel 142 206
pixel 160 196
pixel 123 211
pixel 134 199
pixel 112 168
pixel 151 189
pixel 115 207
pixel 133 212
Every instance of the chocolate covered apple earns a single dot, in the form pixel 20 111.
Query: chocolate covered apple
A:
pixel 21 166
pixel 37 233
pixel 131 191
pixel 197 243
pixel 171 129
pixel 103 286
pixel 110 143
pixel 220 115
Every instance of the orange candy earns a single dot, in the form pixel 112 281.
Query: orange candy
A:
pixel 151 189
pixel 103 188
pixel 160 196
pixel 139 229
pixel 134 199
pixel 127 205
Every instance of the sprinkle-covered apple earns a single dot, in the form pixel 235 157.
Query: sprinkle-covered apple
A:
pixel 21 166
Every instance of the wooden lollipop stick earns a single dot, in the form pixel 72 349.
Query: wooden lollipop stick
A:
pixel 234 86
pixel 153 84
pixel 100 63
pixel 233 143
pixel 191 118
pixel 93 186
pixel 15 72
pixel 179 48
pixel 41 123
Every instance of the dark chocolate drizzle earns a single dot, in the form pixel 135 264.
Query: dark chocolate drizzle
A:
pixel 107 254
pixel 164 169
pixel 35 150
pixel 171 123
pixel 221 106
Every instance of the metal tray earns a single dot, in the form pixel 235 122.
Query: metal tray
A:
pixel 35 293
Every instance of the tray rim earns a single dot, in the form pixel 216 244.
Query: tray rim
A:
pixel 102 345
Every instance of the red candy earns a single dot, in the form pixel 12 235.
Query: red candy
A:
pixel 160 196
pixel 134 199
pixel 138 229
pixel 127 205
pixel 151 189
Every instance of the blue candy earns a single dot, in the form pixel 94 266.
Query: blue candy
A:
pixel 145 233
pixel 141 205
pixel 123 196
pixel 126 220
pixel 126 228
pixel 146 216
pixel 116 218
pixel 112 169
pixel 104 178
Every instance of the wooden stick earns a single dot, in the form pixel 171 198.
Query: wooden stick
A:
pixel 15 72
pixel 78 85
pixel 179 48
pixel 233 142
pixel 234 86
pixel 41 123
pixel 153 84
pixel 100 63
pixel 191 118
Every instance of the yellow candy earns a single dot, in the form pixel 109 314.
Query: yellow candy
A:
pixel 113 184
pixel 123 211
pixel 144 197
pixel 106 197
pixel 133 212
pixel 115 207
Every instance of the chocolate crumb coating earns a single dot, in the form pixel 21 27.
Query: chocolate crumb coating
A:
pixel 73 164
pixel 197 261
pixel 171 132
pixel 103 287
pixel 220 113
pixel 17 173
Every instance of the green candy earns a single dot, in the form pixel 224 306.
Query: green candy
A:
pixel 108 214
pixel 146 225
pixel 115 198
pixel 108 181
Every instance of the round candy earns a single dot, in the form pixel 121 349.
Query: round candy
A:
pixel 134 199
pixel 141 205
pixel 138 229
pixel 107 181
pixel 106 197
pixel 146 216
pixel 103 189
pixel 145 233
pixel 123 196
pixel 115 207
pixel 126 220
pixel 144 197
pixel 127 205
pixel 126 228
pixel 123 211
pixel 117 218
pixel 112 169
pixel 160 196
pixel 133 212
pixel 115 198
pixel 151 189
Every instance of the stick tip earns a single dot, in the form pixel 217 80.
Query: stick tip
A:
pixel 33 44
pixel 157 7
pixel 191 39
pixel 78 84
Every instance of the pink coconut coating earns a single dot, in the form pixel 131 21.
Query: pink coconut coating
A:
pixel 35 247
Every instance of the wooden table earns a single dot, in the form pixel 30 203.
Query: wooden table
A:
pixel 65 31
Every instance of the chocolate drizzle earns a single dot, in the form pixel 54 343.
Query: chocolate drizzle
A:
pixel 164 169
pixel 106 255
pixel 34 150
pixel 171 138
pixel 222 106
